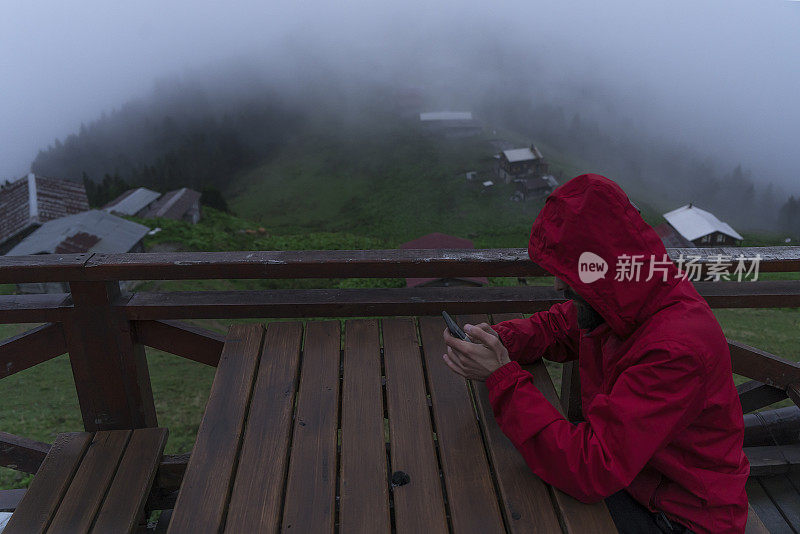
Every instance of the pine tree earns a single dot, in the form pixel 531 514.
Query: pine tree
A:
pixel 789 217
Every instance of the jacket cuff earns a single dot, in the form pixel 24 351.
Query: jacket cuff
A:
pixel 502 372
pixel 507 341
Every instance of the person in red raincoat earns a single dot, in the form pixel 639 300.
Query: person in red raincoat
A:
pixel 663 424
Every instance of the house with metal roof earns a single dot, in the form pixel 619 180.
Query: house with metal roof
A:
pixel 438 240
pixel 445 116
pixel 133 202
pixel 32 200
pixel 521 163
pixel 701 228
pixel 89 231
pixel 534 186
pixel 451 124
pixel 671 238
pixel 181 205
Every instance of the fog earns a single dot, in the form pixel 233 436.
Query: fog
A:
pixel 719 78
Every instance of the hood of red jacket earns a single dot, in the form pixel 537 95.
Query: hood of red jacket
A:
pixel 589 221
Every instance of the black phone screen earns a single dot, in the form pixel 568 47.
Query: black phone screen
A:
pixel 453 327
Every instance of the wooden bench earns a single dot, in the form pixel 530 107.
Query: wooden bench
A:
pixel 91 482
pixel 307 429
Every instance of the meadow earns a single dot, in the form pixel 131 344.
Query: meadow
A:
pixel 364 190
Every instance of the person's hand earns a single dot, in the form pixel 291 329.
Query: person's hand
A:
pixel 478 360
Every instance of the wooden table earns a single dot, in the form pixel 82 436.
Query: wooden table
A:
pixel 91 482
pixel 308 427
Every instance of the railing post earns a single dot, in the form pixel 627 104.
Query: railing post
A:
pixel 109 367
pixel 571 391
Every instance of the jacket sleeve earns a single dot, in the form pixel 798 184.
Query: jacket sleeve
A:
pixel 650 403
pixel 552 333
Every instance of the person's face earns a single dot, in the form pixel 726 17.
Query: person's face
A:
pixel 559 284
pixel 587 316
pixel 569 293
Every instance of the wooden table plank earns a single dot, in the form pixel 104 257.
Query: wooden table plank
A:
pixel 470 492
pixel 204 492
pixel 258 488
pixel 577 516
pixel 419 504
pixel 311 484
pixel 754 524
pixel 765 508
pixel 525 497
pixel 784 495
pixel 10 499
pixel 52 479
pixel 124 504
pixel 364 483
pixel 90 483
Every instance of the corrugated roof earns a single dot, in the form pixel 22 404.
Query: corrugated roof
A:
pixel 90 231
pixel 692 223
pixel 174 204
pixel 36 199
pixel 519 154
pixel 446 116
pixel 132 202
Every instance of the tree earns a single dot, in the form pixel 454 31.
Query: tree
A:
pixel 100 194
pixel 213 198
pixel 789 217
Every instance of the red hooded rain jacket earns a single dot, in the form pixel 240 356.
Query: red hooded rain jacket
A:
pixel 662 417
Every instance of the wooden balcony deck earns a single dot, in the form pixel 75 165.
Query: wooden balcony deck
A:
pixel 340 427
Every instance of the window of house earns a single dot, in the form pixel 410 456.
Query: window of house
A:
pixel 720 238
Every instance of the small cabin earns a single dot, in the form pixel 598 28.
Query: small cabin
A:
pixel 88 231
pixel 521 163
pixel 535 187
pixel 450 124
pixel 133 202
pixel 181 204
pixel 702 228
pixel 32 200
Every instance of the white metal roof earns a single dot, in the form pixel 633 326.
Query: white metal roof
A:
pixel 446 116
pixel 519 154
pixel 692 223
pixel 112 233
pixel 134 202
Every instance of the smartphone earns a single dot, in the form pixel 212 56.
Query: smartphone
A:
pixel 454 328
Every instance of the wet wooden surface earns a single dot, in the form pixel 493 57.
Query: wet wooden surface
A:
pixel 96 482
pixel 361 428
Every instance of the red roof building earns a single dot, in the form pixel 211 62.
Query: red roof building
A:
pixel 440 241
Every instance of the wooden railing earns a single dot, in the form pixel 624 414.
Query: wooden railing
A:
pixel 104 329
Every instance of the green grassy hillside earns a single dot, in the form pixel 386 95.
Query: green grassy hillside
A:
pixel 391 182
pixel 341 187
